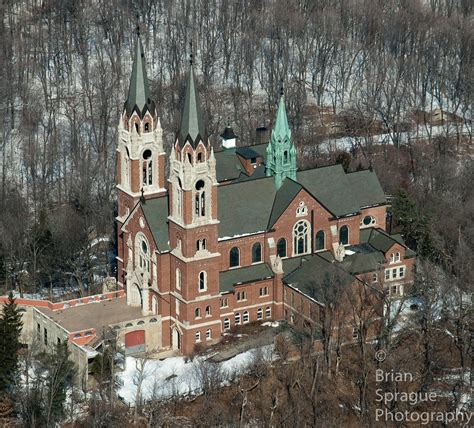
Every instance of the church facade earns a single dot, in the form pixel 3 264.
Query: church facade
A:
pixel 236 235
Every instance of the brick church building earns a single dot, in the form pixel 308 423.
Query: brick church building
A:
pixel 236 235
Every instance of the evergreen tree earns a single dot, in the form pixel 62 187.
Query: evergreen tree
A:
pixel 61 373
pixel 10 329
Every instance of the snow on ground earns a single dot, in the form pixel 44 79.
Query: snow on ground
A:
pixel 348 143
pixel 175 376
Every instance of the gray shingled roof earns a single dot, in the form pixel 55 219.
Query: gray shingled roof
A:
pixel 310 277
pixel 156 214
pixel 330 186
pixel 245 207
pixel 366 188
pixel 228 166
pixel 283 198
pixel 382 241
pixel 232 277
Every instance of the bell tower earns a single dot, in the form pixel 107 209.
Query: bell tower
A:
pixel 281 152
pixel 140 154
pixel 193 223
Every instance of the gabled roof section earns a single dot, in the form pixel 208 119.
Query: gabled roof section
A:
pixel 156 214
pixel 192 126
pixel 245 207
pixel 310 276
pixel 286 193
pixel 366 188
pixel 139 92
pixel 329 185
pixel 382 241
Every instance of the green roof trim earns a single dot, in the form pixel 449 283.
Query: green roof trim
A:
pixel 232 277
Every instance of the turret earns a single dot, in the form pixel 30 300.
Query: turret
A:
pixel 281 152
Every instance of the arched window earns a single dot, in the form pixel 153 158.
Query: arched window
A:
pixel 397 257
pixel 197 335
pixel 201 244
pixel 301 237
pixel 208 311
pixel 268 312
pixel 208 334
pixel 227 324
pixel 320 240
pixel 344 235
pixel 200 199
pixel 392 258
pixel 202 281
pixel 259 313
pixel 147 168
pixel 257 252
pixel 237 318
pixel 281 247
pixel 234 257
pixel 246 317
pixel 285 156
pixel 147 127
pixel 178 278
pixel 190 159
pixel 199 157
pixel 143 252
pixel 197 313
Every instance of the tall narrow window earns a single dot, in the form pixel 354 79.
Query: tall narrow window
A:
pixel 259 313
pixel 178 278
pixel 143 253
pixel 257 252
pixel 234 257
pixel 202 281
pixel 281 247
pixel 301 237
pixel 226 324
pixel 200 199
pixel 285 156
pixel 320 240
pixel 147 168
pixel 344 235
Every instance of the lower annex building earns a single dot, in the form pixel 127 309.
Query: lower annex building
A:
pixel 232 235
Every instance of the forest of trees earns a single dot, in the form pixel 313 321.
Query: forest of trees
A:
pixel 64 74
pixel 374 65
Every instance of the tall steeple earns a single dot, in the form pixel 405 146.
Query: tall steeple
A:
pixel 192 127
pixel 281 152
pixel 139 92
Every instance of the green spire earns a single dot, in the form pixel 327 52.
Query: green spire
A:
pixel 281 152
pixel 139 92
pixel 281 130
pixel 192 128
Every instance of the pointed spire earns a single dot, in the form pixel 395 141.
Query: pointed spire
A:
pixel 192 126
pixel 281 130
pixel 139 92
